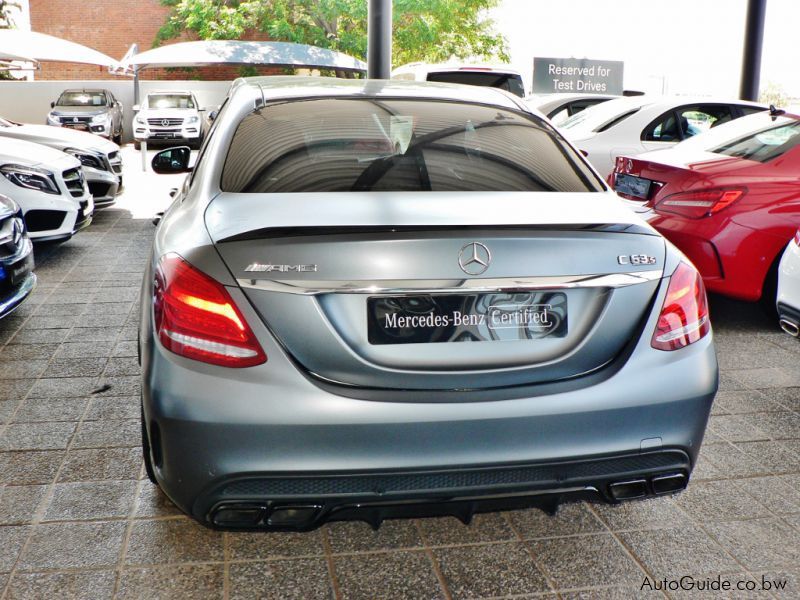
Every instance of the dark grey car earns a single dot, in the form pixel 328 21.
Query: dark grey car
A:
pixel 373 299
pixel 93 110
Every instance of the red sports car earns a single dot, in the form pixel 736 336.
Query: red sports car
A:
pixel 729 199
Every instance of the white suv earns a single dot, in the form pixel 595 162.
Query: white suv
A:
pixel 168 116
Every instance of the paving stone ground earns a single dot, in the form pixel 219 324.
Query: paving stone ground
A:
pixel 78 519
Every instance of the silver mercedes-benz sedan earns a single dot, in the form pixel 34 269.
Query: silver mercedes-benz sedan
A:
pixel 374 299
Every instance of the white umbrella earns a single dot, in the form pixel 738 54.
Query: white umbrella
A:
pixel 192 54
pixel 33 46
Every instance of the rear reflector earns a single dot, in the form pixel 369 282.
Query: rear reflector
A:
pixel 696 205
pixel 684 316
pixel 196 317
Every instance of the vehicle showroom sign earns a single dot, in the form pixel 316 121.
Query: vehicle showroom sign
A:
pixel 564 75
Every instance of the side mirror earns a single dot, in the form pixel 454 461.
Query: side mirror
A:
pixel 136 108
pixel 52 105
pixel 172 160
pixel 212 115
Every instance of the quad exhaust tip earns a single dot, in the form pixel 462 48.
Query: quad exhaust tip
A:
pixel 790 327
pixel 639 488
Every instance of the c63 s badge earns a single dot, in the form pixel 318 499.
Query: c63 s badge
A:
pixel 267 268
pixel 636 259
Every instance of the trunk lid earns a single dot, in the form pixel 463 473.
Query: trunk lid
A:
pixel 330 275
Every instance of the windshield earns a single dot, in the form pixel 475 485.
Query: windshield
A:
pixel 601 116
pixel 510 82
pixel 367 144
pixel 169 101
pixel 82 99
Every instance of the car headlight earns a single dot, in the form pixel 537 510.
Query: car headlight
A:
pixel 100 118
pixel 192 120
pixel 87 158
pixel 31 178
pixel 52 118
pixel 139 120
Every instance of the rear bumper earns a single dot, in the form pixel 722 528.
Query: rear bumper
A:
pixel 222 437
pixel 291 502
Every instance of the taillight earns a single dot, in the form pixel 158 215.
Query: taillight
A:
pixel 195 317
pixel 684 315
pixel 699 204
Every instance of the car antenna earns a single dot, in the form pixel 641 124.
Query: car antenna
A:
pixel 774 111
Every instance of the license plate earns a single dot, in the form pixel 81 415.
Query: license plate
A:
pixel 438 318
pixel 19 270
pixel 632 186
pixel 80 126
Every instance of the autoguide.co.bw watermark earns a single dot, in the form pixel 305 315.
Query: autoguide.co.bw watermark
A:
pixel 717 584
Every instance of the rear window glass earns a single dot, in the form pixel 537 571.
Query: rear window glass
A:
pixel 169 101
pixel 764 145
pixel 505 81
pixel 366 144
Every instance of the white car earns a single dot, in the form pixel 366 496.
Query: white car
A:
pixel 788 302
pixel 630 126
pixel 49 186
pixel 498 76
pixel 168 116
pixel 559 107
pixel 101 160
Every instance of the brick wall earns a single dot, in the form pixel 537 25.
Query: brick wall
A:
pixel 111 27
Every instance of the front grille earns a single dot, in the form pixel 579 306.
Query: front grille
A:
pixel 165 122
pixel 115 160
pixel 44 220
pixel 75 120
pixel 73 178
pixel 447 481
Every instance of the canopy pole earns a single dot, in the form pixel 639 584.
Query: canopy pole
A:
pixel 379 39
pixel 753 42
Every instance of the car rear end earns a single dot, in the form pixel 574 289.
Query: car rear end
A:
pixel 354 329
pixel 723 198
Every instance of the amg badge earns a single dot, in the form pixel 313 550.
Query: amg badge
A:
pixel 636 259
pixel 262 268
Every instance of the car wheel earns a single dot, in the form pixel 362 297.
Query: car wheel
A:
pixel 148 461
pixel 117 139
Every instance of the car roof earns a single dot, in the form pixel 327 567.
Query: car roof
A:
pixel 293 86
pixel 185 92
pixel 456 66
pixel 105 91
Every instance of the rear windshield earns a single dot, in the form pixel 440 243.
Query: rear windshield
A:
pixel 510 82
pixel 169 101
pixel 82 99
pixel 365 144
pixel 764 145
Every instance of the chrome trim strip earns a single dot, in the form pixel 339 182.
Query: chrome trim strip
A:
pixel 449 286
pixel 7 305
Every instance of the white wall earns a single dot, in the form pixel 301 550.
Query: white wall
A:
pixel 29 101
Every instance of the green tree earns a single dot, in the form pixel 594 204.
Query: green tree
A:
pixel 7 10
pixel 423 30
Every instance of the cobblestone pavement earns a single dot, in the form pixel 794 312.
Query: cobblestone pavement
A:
pixel 77 519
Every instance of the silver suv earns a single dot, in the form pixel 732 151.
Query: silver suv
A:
pixel 94 110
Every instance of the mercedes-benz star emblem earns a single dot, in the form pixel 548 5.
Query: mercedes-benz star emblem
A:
pixel 16 231
pixel 74 119
pixel 164 122
pixel 474 258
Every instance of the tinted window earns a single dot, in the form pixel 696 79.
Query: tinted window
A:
pixel 763 145
pixel 82 99
pixel 398 145
pixel 686 122
pixel 505 81
pixel 169 101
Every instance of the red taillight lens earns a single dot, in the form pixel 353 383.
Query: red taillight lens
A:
pixel 696 205
pixel 195 317
pixel 684 316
